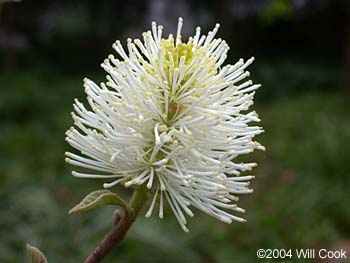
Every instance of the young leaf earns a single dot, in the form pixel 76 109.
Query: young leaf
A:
pixel 96 199
pixel 35 255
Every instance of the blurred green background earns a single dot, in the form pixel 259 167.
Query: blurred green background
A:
pixel 301 197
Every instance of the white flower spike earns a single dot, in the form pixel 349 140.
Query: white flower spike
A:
pixel 172 118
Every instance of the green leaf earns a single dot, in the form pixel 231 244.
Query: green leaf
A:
pixel 98 198
pixel 35 255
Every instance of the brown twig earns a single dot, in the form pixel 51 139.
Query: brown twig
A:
pixel 122 223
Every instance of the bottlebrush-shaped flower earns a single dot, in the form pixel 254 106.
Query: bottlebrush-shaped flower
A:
pixel 173 119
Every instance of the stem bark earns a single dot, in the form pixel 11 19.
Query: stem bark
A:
pixel 122 223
